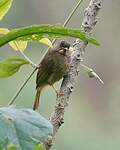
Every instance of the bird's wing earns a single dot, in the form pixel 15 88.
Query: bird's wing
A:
pixel 44 71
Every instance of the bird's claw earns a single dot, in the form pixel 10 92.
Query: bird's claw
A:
pixel 61 93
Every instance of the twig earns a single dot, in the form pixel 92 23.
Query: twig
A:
pixel 89 21
pixel 29 77
pixel 91 73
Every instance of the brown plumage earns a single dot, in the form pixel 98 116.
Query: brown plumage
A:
pixel 52 68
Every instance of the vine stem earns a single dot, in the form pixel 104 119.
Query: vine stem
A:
pixel 32 73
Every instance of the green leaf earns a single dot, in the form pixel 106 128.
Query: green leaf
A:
pixel 4 7
pixel 36 32
pixel 1 148
pixel 23 128
pixel 17 45
pixel 40 147
pixel 10 66
pixel 11 147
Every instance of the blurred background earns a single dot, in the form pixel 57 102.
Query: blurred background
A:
pixel 92 120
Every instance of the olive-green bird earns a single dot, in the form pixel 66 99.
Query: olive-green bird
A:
pixel 52 68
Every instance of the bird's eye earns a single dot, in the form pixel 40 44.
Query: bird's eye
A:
pixel 63 51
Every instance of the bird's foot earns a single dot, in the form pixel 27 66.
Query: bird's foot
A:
pixel 59 94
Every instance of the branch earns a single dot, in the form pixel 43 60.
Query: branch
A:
pixel 89 21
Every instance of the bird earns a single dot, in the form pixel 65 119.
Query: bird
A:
pixel 53 67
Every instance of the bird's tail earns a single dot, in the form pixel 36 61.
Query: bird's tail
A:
pixel 37 99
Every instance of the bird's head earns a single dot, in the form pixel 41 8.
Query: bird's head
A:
pixel 63 48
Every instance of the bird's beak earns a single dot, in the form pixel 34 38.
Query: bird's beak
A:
pixel 71 50
pixel 66 49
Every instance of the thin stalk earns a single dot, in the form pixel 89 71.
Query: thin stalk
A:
pixel 25 82
pixel 28 59
pixel 21 87
pixel 72 13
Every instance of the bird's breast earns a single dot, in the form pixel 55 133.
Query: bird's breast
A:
pixel 60 69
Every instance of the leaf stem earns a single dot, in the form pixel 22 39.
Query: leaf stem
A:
pixel 25 82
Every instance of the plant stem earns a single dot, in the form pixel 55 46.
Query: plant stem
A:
pixel 72 13
pixel 21 87
pixel 28 59
pixel 25 82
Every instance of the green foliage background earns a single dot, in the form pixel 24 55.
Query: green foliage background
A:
pixel 92 121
